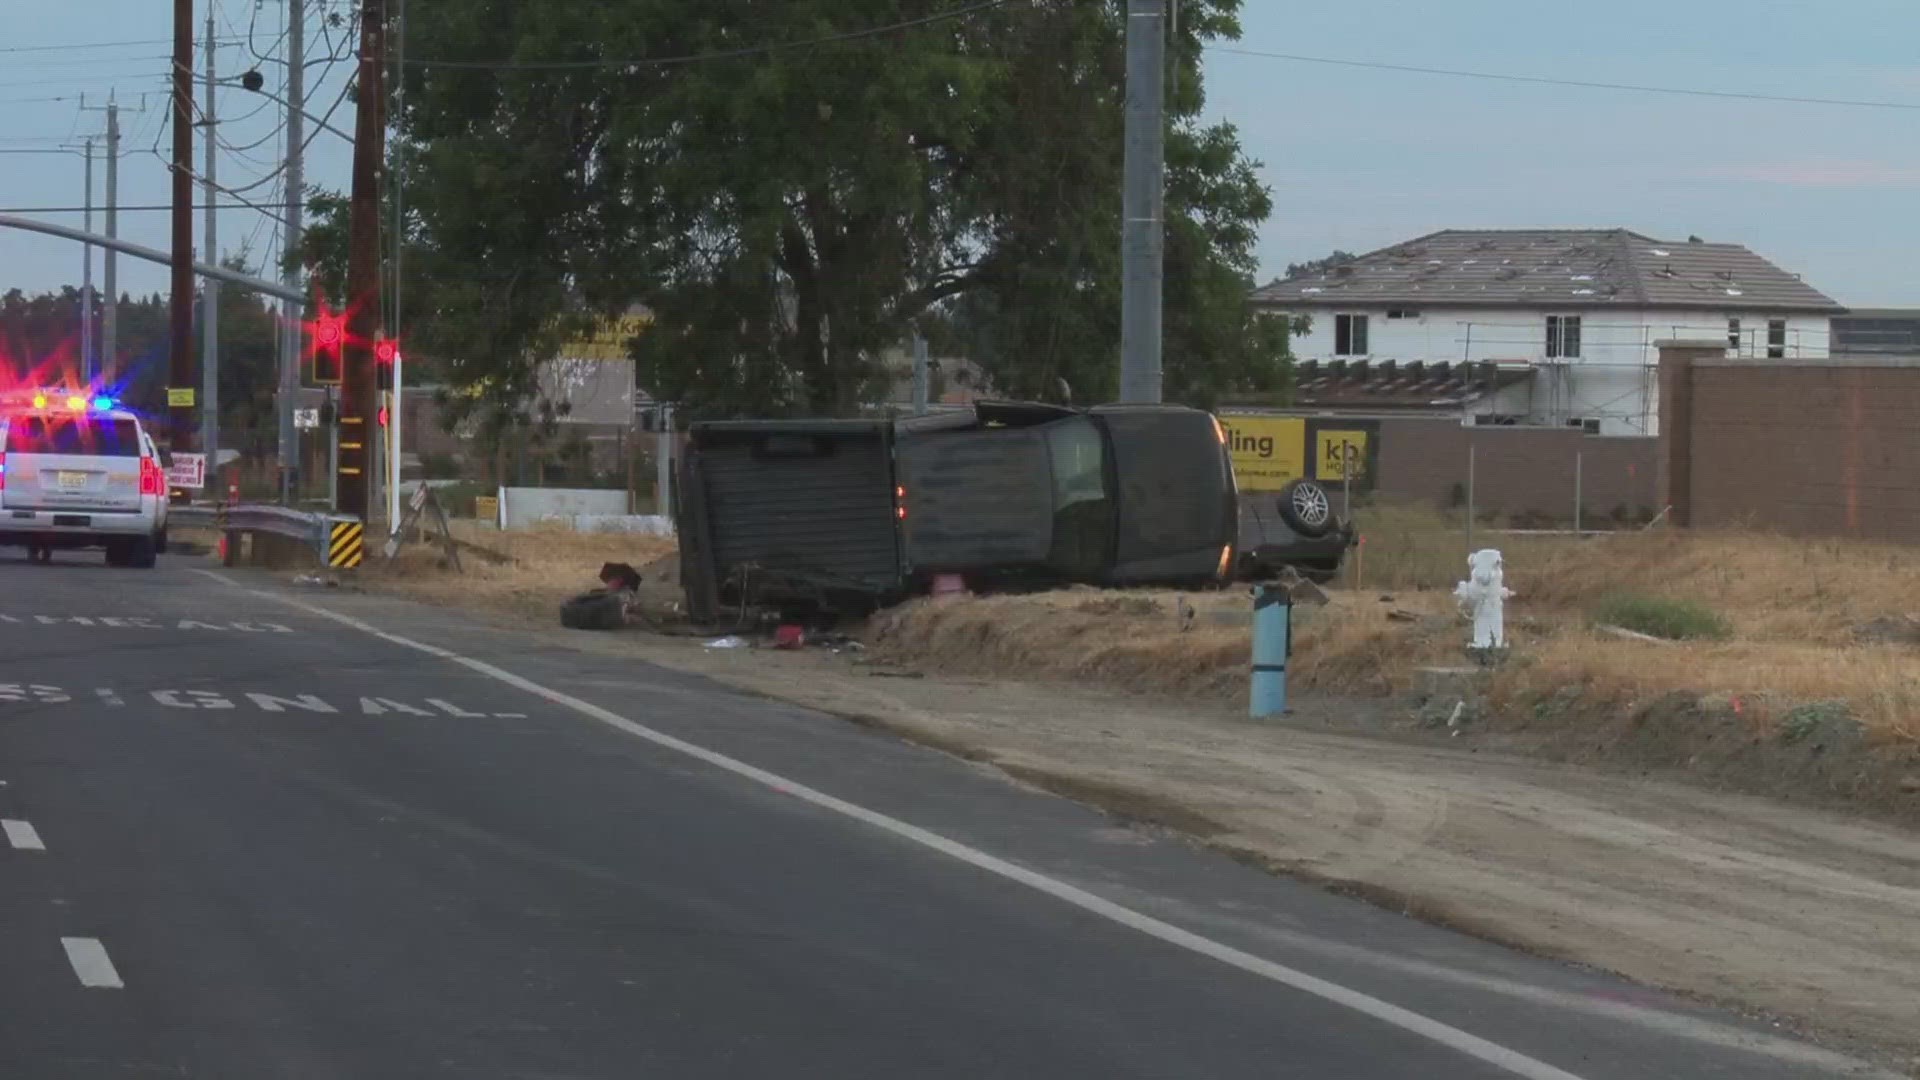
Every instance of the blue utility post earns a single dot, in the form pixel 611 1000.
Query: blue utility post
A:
pixel 1272 644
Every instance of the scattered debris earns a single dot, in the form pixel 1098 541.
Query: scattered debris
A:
pixel 316 581
pixel 1403 615
pixel 1632 635
pixel 620 576
pixel 731 641
pixel 789 636
pixel 1186 613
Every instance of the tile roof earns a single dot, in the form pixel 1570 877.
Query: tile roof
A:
pixel 1558 268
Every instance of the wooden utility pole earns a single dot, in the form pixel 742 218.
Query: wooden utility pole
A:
pixel 358 390
pixel 180 358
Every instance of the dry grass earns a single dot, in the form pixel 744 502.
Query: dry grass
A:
pixel 537 568
pixel 1790 608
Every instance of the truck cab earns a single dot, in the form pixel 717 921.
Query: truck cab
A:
pixel 843 516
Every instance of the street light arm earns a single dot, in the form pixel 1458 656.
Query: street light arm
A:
pixel 139 251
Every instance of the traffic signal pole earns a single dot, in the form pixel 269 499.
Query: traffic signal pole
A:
pixel 358 392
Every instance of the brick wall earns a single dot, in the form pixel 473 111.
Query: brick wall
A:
pixel 1808 447
pixel 1518 472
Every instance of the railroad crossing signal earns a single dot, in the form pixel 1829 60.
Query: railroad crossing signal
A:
pixel 328 333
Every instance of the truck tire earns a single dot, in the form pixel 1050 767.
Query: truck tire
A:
pixel 594 610
pixel 1306 509
pixel 142 553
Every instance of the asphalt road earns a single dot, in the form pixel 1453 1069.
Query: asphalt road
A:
pixel 244 839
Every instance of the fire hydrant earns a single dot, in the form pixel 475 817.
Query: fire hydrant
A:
pixel 1484 596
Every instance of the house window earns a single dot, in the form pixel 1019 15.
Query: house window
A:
pixel 1776 338
pixel 1349 335
pixel 1563 337
pixel 1402 313
pixel 1733 335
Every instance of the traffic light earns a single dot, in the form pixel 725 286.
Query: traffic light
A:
pixel 328 332
pixel 385 352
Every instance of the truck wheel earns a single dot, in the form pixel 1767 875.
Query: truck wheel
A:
pixel 1305 508
pixel 595 610
pixel 137 553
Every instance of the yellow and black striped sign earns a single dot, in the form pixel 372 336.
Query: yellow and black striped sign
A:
pixel 344 544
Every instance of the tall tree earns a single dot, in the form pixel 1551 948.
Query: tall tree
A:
pixel 1325 262
pixel 789 191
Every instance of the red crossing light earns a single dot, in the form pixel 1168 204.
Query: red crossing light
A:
pixel 385 350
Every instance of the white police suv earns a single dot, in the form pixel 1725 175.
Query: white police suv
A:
pixel 78 471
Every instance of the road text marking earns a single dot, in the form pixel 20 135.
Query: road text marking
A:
pixel 22 835
pixel 91 964
pixel 1386 1012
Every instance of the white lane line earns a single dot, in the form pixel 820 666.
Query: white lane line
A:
pixel 1386 1012
pixel 22 835
pixel 91 964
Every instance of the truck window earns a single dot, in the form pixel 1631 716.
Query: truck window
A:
pixel 1082 505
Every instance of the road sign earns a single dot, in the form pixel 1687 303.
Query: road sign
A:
pixel 179 397
pixel 188 471
pixel 306 419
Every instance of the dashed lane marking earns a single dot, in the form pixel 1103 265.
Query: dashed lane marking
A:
pixel 91 963
pixel 22 835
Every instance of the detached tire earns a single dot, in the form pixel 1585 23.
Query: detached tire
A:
pixel 595 610
pixel 1306 509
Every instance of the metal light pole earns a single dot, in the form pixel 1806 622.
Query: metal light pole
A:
pixel 87 365
pixel 210 291
pixel 110 320
pixel 397 178
pixel 1142 238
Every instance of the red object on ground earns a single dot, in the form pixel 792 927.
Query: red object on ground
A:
pixel 789 636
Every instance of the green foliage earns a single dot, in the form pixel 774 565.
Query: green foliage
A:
pixel 1662 617
pixel 790 214
pixel 1335 258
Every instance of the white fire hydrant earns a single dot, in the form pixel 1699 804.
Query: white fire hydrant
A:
pixel 1484 596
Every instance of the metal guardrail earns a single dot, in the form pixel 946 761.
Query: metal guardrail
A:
pixel 316 530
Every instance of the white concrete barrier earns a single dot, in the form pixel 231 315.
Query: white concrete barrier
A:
pixel 521 507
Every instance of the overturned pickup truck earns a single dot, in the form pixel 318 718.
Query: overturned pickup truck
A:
pixel 840 517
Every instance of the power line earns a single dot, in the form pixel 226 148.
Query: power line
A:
pixel 728 54
pixel 1540 80
pixel 100 45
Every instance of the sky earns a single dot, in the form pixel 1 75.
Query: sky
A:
pixel 1356 158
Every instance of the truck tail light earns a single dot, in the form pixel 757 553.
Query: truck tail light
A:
pixel 1226 560
pixel 152 482
pixel 900 502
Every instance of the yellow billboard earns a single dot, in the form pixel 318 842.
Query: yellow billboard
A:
pixel 606 341
pixel 1268 451
pixel 1335 451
